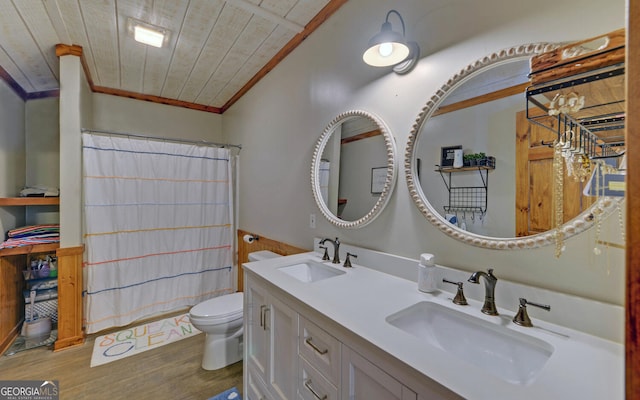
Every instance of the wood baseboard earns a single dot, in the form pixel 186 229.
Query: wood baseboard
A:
pixel 9 339
pixel 67 343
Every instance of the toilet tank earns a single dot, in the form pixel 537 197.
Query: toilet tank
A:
pixel 262 255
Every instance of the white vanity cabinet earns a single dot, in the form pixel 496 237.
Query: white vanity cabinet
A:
pixel 356 336
pixel 330 370
pixel 271 329
pixel 292 352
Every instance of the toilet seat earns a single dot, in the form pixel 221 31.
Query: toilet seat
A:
pixel 219 310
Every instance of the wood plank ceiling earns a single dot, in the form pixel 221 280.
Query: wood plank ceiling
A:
pixel 216 49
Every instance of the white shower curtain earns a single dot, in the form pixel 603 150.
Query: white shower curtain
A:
pixel 158 227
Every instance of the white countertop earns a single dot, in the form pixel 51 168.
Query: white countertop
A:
pixel 582 366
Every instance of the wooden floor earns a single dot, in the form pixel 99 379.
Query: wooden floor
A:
pixel 170 372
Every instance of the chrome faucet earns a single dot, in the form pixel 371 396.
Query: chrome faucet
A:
pixel 336 249
pixel 490 281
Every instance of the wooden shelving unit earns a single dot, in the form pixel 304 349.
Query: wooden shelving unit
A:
pixel 29 201
pixel 34 248
pixel 13 261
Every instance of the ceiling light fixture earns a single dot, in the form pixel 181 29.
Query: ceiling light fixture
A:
pixel 391 48
pixel 147 33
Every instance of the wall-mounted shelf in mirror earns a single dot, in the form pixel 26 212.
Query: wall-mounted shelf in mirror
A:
pixel 467 199
pixel 353 170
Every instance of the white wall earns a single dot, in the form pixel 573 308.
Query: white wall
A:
pixel 42 141
pixel 356 161
pixel 280 119
pixel 42 138
pixel 124 115
pixel 12 154
pixel 488 128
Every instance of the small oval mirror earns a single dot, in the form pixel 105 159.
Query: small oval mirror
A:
pixel 353 171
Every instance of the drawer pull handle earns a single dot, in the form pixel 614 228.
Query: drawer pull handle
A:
pixel 262 307
pixel 310 343
pixel 267 310
pixel 307 384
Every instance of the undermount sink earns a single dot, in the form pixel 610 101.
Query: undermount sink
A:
pixel 510 355
pixel 310 271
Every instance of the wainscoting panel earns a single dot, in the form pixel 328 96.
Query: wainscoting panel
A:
pixel 262 243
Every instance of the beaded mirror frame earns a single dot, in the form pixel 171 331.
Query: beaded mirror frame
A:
pixel 601 208
pixel 389 182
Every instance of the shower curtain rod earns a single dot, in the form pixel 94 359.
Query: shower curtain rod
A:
pixel 202 142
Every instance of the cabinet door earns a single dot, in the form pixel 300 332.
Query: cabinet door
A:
pixel 534 181
pixel 283 333
pixel 255 388
pixel 361 380
pixel 255 327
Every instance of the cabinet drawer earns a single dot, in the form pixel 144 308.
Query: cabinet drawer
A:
pixel 320 349
pixel 312 385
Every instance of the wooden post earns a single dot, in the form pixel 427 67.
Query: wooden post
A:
pixel 69 297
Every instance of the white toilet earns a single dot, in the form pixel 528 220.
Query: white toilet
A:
pixel 220 318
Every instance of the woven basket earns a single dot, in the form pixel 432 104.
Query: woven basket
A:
pixel 48 308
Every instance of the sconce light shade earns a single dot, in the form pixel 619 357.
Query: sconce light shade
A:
pixel 389 47
pixel 386 48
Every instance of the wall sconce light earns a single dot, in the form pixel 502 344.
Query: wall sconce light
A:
pixel 148 34
pixel 389 48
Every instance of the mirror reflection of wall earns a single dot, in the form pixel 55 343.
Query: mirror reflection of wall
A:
pixel 351 148
pixel 330 170
pixel 487 127
pixel 354 148
pixel 362 149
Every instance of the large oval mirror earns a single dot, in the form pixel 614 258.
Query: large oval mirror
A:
pixel 353 171
pixel 468 172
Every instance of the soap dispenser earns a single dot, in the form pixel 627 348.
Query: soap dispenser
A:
pixel 426 273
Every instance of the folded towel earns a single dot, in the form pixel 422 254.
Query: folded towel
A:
pixel 28 241
pixel 30 235
pixel 34 230
pixel 39 191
